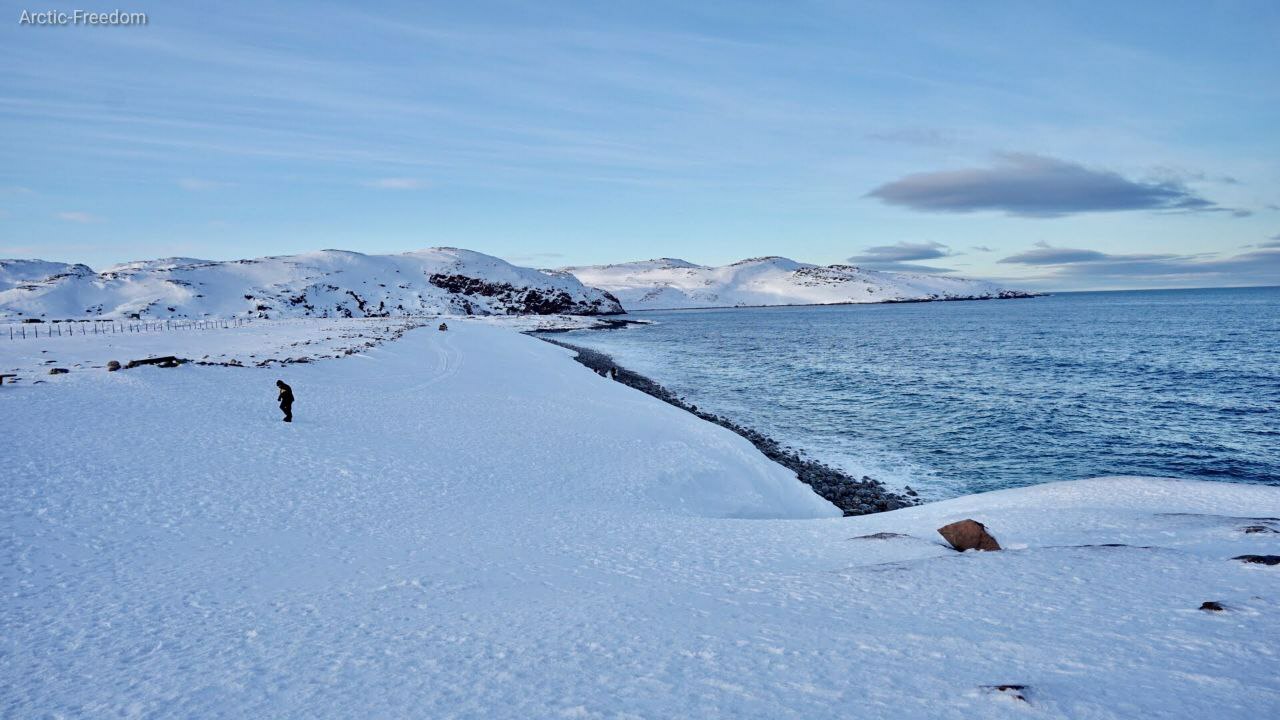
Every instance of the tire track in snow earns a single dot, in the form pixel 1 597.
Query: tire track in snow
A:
pixel 448 361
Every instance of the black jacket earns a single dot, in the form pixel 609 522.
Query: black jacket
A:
pixel 286 395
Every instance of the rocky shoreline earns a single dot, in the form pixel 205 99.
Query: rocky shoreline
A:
pixel 852 495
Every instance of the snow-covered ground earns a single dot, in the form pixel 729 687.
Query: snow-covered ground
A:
pixel 469 524
pixel 255 342
pixel 670 283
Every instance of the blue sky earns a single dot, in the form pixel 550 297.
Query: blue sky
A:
pixel 1065 145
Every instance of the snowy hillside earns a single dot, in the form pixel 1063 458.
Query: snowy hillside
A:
pixel 670 283
pixel 328 283
pixel 468 524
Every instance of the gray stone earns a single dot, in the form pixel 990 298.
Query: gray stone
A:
pixel 1259 559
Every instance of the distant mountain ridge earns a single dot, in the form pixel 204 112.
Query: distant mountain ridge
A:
pixel 672 283
pixel 327 283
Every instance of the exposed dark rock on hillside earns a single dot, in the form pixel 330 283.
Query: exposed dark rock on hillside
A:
pixel 525 301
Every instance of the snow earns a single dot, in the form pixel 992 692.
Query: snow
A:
pixel 254 342
pixel 469 524
pixel 16 273
pixel 668 283
pixel 327 283
pixel 251 342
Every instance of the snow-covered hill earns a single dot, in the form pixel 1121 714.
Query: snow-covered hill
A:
pixel 667 283
pixel 328 283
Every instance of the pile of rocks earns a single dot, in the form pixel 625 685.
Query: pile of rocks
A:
pixel 851 495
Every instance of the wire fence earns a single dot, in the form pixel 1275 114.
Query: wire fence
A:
pixel 72 328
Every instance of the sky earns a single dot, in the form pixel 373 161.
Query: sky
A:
pixel 1066 145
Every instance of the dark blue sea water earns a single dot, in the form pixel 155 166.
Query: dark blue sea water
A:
pixel 960 397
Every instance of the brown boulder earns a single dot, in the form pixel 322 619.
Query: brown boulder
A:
pixel 968 535
pixel 113 366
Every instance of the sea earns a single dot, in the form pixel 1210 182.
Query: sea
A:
pixel 952 398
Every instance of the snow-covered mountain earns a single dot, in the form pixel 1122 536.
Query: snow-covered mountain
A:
pixel 327 283
pixel 667 283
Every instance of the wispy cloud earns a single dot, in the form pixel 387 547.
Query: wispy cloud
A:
pixel 1044 254
pixel 538 258
pixel 983 248
pixel 77 216
pixel 922 137
pixel 200 185
pixel 900 256
pixel 1030 185
pixel 1258 267
pixel 396 183
pixel 19 251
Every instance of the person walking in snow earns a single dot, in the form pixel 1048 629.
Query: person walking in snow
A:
pixel 286 400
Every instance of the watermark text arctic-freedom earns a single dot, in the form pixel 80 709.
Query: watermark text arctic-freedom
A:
pixel 81 17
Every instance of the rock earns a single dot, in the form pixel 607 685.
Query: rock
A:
pixel 968 535
pixel 167 361
pixel 58 371
pixel 113 366
pixel 1212 606
pixel 1012 691
pixel 1259 559
pixel 880 536
pixel 1254 529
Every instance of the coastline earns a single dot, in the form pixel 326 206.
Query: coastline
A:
pixel 1007 295
pixel 851 495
